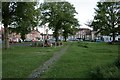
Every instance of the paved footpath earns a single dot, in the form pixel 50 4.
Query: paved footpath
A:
pixel 39 71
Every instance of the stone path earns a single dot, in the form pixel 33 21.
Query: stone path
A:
pixel 39 71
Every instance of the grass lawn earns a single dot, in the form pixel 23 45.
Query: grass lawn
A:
pixel 0 61
pixel 19 62
pixel 78 61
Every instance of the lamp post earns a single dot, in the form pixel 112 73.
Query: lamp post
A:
pixel 46 33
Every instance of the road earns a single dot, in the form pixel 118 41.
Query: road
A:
pixel 21 44
pixel 18 44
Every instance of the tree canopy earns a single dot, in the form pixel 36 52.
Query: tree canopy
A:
pixel 22 15
pixel 59 15
pixel 106 19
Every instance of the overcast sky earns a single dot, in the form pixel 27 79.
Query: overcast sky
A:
pixel 85 10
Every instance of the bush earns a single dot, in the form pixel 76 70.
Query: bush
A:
pixel 109 71
pixel 114 43
pixel 57 44
pixel 40 44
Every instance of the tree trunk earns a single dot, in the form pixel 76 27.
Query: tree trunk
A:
pixel 6 36
pixel 23 36
pixel 55 34
pixel 56 39
pixel 65 39
pixel 113 36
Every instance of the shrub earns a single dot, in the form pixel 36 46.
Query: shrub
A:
pixel 57 44
pixel 114 43
pixel 108 72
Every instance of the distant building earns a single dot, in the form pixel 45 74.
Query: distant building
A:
pixel 95 36
pixel 33 35
pixel 83 33
pixel 14 37
pixel 1 33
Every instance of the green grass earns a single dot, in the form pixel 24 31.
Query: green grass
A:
pixel 0 62
pixel 19 62
pixel 78 61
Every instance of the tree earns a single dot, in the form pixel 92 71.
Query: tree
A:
pixel 20 14
pixel 29 20
pixel 59 15
pixel 106 18
pixel 70 28
pixel 118 29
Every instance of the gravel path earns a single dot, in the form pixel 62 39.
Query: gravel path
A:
pixel 39 71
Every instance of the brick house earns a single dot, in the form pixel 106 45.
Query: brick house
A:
pixel 83 33
pixel 14 37
pixel 33 35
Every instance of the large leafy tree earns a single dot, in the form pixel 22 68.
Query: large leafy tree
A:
pixel 20 14
pixel 107 18
pixel 59 15
pixel 70 28
pixel 118 29
pixel 28 21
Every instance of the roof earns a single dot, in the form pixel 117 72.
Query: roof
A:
pixel 86 27
pixel 34 31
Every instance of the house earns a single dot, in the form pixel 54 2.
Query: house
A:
pixel 95 36
pixel 83 33
pixel 46 36
pixel 34 35
pixel 14 37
